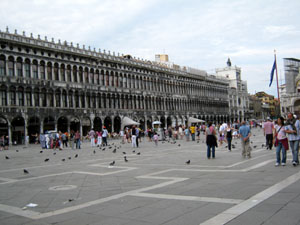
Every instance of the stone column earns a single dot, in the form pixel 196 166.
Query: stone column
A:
pixel 9 133
pixel 42 126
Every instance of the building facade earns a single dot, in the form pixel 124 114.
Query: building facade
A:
pixel 290 91
pixel 48 85
pixel 237 92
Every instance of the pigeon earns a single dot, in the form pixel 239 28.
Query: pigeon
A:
pixel 178 145
pixel 54 153
pixel 63 160
pixel 112 143
pixel 69 158
pixel 124 153
pixel 46 160
pixel 125 159
pixel 109 147
pixel 76 155
pixel 94 151
pixel 262 145
pixel 254 135
pixel 112 163
pixel 41 151
pixel 103 149
pixel 163 142
pixel 114 151
pixel 197 142
pixel 17 150
pixel 188 162
pixel 254 146
pixel 71 200
pixel 138 153
pixel 6 157
pixel 133 151
pixel 226 146
pixel 25 171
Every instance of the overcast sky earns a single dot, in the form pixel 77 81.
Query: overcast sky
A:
pixel 196 33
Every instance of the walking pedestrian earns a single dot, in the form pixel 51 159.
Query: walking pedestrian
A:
pixel 211 140
pixel 193 130
pixel 293 131
pixel 228 134
pixel 92 137
pixel 77 139
pixel 281 142
pixel 245 133
pixel 133 137
pixel 269 132
pixel 187 133
pixel 104 136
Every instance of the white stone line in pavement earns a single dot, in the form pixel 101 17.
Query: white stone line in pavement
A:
pixel 18 211
pixel 244 206
pixel 189 198
pixel 258 165
pixel 7 179
pixel 245 161
pixel 106 173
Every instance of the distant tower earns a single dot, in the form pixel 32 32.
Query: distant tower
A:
pixel 228 62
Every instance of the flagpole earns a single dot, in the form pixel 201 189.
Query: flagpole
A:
pixel 277 79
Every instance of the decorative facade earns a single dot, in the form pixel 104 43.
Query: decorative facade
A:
pixel 48 85
pixel 237 92
pixel 290 91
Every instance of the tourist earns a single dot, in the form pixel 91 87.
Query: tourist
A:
pixel 293 131
pixel 268 132
pixel 228 134
pixel 155 139
pixel 281 142
pixel 198 130
pixel 104 136
pixel 187 134
pixel 211 140
pixel 77 139
pixel 99 138
pixel 193 130
pixel 137 134
pixel 64 138
pixel 180 131
pixel 92 137
pixel 245 133
pixel 2 143
pixel 133 137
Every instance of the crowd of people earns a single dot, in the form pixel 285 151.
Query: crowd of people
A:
pixel 282 133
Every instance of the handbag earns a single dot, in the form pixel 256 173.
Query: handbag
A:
pixel 276 139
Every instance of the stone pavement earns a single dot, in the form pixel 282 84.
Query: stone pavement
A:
pixel 155 187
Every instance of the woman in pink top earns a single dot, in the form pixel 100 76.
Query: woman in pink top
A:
pixel 282 145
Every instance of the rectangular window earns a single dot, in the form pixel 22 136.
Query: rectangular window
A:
pixel 2 67
pixel 35 71
pixel 28 99
pixel 3 98
pixel 11 68
pixel 36 99
pixel 27 70
pixel 21 99
pixel 19 69
pixel 42 72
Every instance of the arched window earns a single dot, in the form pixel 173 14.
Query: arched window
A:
pixel 11 70
pixel 27 68
pixel 44 97
pixel 82 97
pixel 57 98
pixel 62 72
pixel 21 96
pixel 56 71
pixel 2 65
pixel 19 67
pixel 49 71
pixel 80 74
pixel 74 74
pixel 76 99
pixel 12 93
pixel 28 97
pixel 35 69
pixel 3 96
pixel 92 76
pixel 70 96
pixel 69 73
pixel 86 75
pixel 42 70
pixel 37 97
pixel 65 99
pixel 51 98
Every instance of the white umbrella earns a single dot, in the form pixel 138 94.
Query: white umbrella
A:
pixel 194 120
pixel 126 121
pixel 156 122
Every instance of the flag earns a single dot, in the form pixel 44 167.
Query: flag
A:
pixel 272 73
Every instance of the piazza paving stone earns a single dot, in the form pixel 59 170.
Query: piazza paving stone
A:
pixel 154 188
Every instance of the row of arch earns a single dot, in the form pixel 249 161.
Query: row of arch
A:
pixel 18 127
pixel 64 98
pixel 47 70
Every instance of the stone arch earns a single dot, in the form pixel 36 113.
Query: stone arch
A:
pixel 33 128
pixel 97 124
pixel 117 124
pixel 86 125
pixel 62 124
pixel 108 123
pixel 3 126
pixel 18 130
pixel 74 124
pixel 49 123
